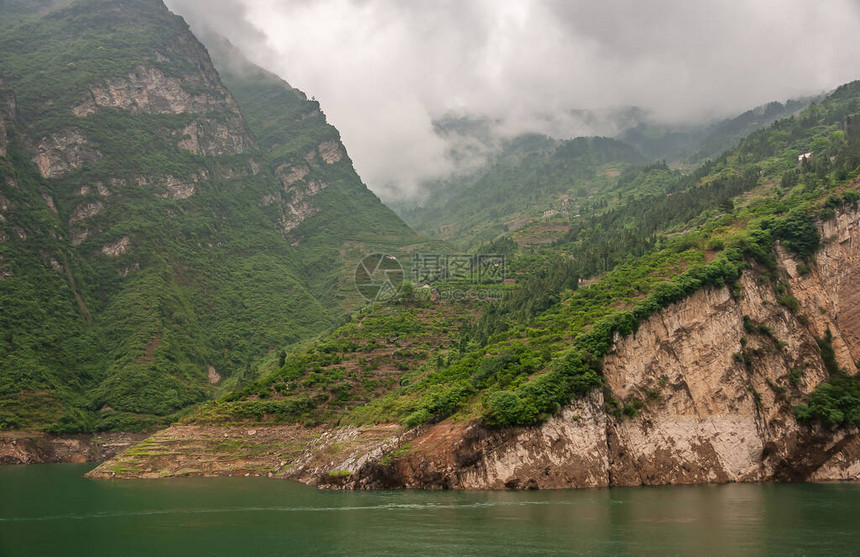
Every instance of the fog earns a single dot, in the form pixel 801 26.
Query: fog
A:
pixel 385 70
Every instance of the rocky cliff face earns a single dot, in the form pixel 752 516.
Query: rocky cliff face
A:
pixel 715 378
pixel 716 394
pixel 17 447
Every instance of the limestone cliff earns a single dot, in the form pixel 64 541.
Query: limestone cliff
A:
pixel 716 399
pixel 715 378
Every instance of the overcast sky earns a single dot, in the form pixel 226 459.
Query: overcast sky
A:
pixel 384 69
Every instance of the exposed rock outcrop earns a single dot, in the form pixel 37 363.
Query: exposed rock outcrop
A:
pixel 301 206
pixel 290 174
pixel 117 248
pixel 178 189
pixel 63 152
pixel 210 137
pixel 21 447
pixel 569 450
pixel 214 376
pixel 331 151
pixel 148 90
pixel 85 211
pixel 828 289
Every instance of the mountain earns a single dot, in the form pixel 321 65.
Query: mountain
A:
pixel 530 179
pixel 695 143
pixel 532 187
pixel 702 329
pixel 163 225
pixel 178 239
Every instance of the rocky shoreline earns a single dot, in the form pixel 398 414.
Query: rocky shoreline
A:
pixel 321 455
pixel 447 456
pixel 28 447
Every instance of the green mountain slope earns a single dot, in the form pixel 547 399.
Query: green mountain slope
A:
pixel 158 232
pixel 531 178
pixel 518 360
pixel 342 207
pixel 697 143
pixel 534 187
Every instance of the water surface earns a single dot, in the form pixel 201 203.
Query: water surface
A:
pixel 53 510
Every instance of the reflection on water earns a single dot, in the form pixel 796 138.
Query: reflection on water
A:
pixel 52 510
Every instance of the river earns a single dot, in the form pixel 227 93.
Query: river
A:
pixel 53 510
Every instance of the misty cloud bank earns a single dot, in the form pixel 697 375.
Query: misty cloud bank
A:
pixel 384 70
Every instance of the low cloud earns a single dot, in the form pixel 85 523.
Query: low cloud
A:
pixel 385 70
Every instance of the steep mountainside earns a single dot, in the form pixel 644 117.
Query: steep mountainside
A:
pixel 702 329
pixel 158 231
pixel 714 399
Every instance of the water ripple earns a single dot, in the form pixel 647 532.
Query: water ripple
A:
pixel 389 507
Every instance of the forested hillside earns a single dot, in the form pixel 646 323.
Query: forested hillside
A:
pixel 174 231
pixel 531 188
pixel 694 144
pixel 159 231
pixel 532 179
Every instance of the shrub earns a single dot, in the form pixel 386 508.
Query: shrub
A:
pixel 828 355
pixel 417 418
pixel 505 408
pixel 835 404
pixel 798 233
pixel 631 409
pixel 794 376
pixel 789 301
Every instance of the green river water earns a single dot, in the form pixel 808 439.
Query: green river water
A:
pixel 53 510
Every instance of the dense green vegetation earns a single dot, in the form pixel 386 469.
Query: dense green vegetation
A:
pixel 357 363
pixel 209 281
pixel 837 402
pixel 531 185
